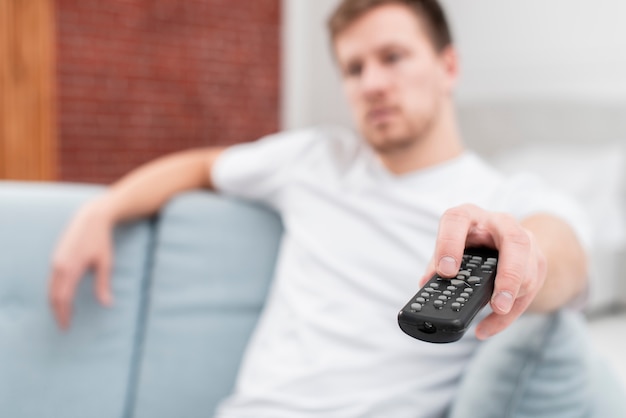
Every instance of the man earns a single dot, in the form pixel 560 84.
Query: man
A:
pixel 363 215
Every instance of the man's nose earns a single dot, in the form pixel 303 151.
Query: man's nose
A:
pixel 374 80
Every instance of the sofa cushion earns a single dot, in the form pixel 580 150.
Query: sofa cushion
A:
pixel 45 372
pixel 213 261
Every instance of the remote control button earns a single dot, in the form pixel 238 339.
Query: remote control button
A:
pixel 447 293
pixel 416 307
pixel 472 265
pixel 429 290
pixel 434 285
pixel 473 280
pixel 461 300
pixel 438 304
pixel 465 273
pixel 425 295
pixel 420 300
pixel 452 288
pixel 456 306
pixel 455 282
pixel 477 258
pixel 444 298
pixel 464 295
pixel 469 290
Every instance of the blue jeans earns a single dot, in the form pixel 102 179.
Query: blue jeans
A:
pixel 542 366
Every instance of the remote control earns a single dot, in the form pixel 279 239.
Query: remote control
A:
pixel 442 310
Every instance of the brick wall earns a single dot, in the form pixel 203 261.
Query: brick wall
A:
pixel 141 78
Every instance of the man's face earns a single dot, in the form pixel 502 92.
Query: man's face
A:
pixel 394 79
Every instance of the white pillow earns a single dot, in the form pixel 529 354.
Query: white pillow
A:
pixel 592 175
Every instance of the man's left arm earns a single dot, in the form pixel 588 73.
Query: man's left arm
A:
pixel 541 267
pixel 566 276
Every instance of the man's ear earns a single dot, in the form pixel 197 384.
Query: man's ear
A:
pixel 450 67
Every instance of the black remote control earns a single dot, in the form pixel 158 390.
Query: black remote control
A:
pixel 442 310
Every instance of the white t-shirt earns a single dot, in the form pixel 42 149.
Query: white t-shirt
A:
pixel 357 239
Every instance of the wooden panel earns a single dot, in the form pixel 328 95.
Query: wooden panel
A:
pixel 27 115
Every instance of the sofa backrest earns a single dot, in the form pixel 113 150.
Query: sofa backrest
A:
pixel 213 261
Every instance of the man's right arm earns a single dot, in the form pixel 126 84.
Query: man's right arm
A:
pixel 145 190
pixel 87 241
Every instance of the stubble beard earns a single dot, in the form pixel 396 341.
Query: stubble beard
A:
pixel 385 142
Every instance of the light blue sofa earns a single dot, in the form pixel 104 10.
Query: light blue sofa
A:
pixel 188 286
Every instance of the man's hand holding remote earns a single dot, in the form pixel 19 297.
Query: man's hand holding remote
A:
pixel 533 271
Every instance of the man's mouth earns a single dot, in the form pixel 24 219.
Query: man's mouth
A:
pixel 380 115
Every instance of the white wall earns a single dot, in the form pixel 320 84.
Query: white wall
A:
pixel 531 48
pixel 508 48
pixel 311 89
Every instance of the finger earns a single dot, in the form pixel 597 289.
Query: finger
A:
pixel 61 294
pixel 514 252
pixel 495 323
pixel 103 282
pixel 453 230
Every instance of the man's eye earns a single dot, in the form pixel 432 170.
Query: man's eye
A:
pixel 392 57
pixel 353 70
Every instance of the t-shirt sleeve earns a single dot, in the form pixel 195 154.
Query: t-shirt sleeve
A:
pixel 524 195
pixel 262 169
